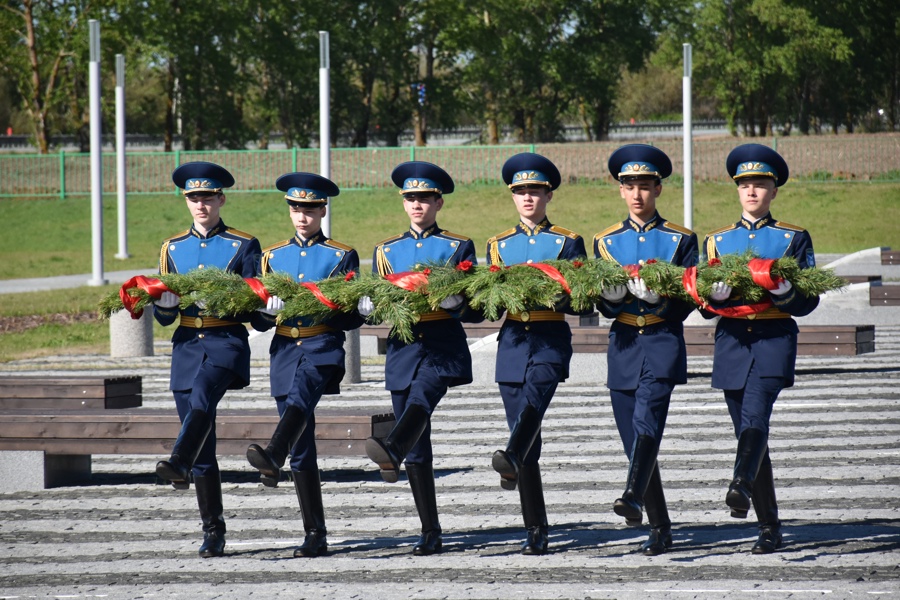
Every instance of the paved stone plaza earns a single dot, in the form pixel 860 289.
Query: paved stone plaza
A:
pixel 835 447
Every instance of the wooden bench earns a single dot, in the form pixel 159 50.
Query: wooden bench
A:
pixel 70 392
pixel 861 278
pixel 890 257
pixel 68 438
pixel 884 295
pixel 589 337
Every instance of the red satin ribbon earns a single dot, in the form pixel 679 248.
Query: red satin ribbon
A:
pixel 553 273
pixel 319 295
pixel 632 270
pixel 411 281
pixel 689 281
pixel 761 271
pixel 153 287
pixel 258 288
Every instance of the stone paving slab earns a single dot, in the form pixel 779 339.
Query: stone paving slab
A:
pixel 837 468
pixel 834 445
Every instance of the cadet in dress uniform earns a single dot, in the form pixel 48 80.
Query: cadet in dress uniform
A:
pixel 209 355
pixel 418 374
pixel 646 356
pixel 755 354
pixel 307 360
pixel 535 346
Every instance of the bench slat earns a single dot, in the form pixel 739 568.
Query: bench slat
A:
pixel 884 295
pixel 71 403
pixel 69 387
pixel 160 447
pixel 149 431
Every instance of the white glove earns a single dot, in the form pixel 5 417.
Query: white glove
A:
pixel 452 302
pixel 720 291
pixel 639 290
pixel 783 288
pixel 273 305
pixel 201 304
pixel 365 306
pixel 614 293
pixel 168 300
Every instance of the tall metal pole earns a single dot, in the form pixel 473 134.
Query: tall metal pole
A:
pixel 96 157
pixel 352 362
pixel 120 158
pixel 324 119
pixel 688 138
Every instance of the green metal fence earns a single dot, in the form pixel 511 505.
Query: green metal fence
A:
pixel 873 157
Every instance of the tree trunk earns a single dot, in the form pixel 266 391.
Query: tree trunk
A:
pixel 37 103
pixel 169 133
pixel 493 128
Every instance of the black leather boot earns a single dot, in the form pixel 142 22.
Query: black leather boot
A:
pixel 390 452
pixel 269 461
pixel 194 430
pixel 508 462
pixel 643 463
pixel 309 493
pixel 534 511
pixel 660 538
pixel 766 507
pixel 421 481
pixel 752 446
pixel 212 513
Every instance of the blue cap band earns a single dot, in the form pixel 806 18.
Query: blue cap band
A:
pixel 296 194
pixel 530 177
pixel 639 169
pixel 202 184
pixel 420 185
pixel 755 169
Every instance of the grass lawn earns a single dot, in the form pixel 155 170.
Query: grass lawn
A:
pixel 46 237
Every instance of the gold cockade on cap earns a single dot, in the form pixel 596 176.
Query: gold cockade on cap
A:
pixel 637 168
pixel 751 166
pixel 304 194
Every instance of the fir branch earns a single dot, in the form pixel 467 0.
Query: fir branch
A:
pixel 665 279
pixel 495 289
pixel 446 280
pixel 299 301
pixel 734 271
pixel 178 284
pixel 397 306
pixel 222 293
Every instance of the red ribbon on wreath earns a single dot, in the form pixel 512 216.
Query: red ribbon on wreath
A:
pixel 258 288
pixel 411 281
pixel 319 295
pixel 761 271
pixel 633 271
pixel 153 287
pixel 553 273
pixel 689 281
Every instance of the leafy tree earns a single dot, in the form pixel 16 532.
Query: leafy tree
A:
pixel 762 59
pixel 40 39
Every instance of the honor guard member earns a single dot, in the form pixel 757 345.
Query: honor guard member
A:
pixel 647 355
pixel 307 359
pixel 418 374
pixel 209 355
pixel 755 354
pixel 535 346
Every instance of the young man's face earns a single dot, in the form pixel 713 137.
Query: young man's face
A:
pixel 756 194
pixel 307 220
pixel 640 197
pixel 531 202
pixel 205 208
pixel 422 208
